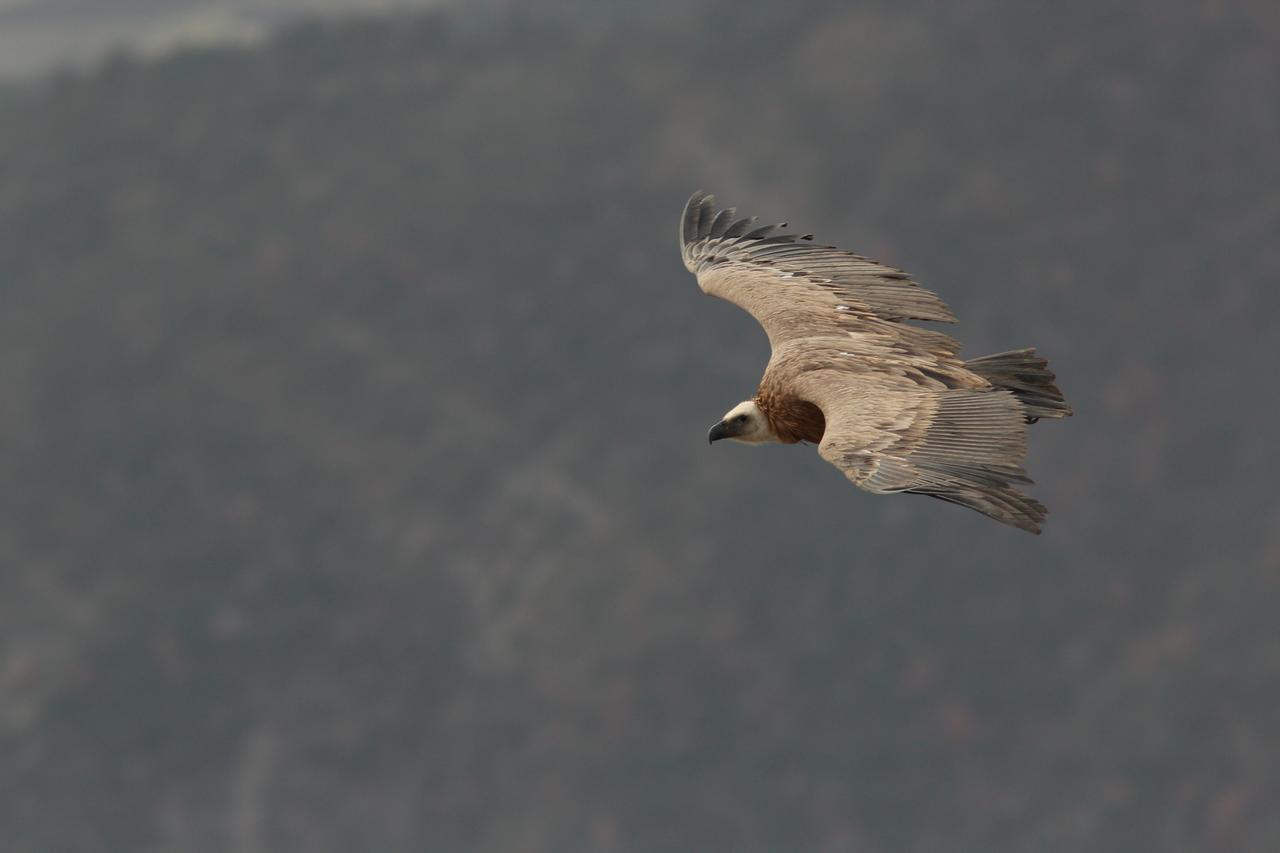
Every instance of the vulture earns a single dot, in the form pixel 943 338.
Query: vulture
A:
pixel 888 403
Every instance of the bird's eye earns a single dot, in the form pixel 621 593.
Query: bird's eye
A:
pixel 742 419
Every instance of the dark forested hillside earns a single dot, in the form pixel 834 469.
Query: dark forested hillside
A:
pixel 354 479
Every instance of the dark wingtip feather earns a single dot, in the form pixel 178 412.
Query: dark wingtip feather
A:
pixel 706 214
pixel 738 228
pixel 762 231
pixel 689 219
pixel 722 221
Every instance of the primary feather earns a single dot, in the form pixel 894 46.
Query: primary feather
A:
pixel 889 404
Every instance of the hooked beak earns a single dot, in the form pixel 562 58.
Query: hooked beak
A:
pixel 719 431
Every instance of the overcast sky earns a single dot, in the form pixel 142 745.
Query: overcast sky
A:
pixel 40 35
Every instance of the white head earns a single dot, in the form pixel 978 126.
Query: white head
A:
pixel 745 423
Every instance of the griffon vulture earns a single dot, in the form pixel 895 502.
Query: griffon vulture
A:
pixel 888 403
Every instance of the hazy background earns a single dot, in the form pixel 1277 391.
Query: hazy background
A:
pixel 39 35
pixel 354 491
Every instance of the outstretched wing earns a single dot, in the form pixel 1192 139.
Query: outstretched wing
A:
pixel 797 289
pixel 889 434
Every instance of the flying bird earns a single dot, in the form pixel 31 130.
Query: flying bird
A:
pixel 887 403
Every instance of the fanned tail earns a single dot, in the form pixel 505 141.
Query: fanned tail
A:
pixel 1028 376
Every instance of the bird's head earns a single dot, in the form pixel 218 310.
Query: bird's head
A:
pixel 745 423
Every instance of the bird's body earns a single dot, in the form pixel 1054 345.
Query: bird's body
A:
pixel 888 403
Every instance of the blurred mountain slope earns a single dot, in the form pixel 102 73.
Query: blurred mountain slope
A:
pixel 39 36
pixel 355 494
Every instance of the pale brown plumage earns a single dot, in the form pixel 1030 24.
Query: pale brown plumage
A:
pixel 887 403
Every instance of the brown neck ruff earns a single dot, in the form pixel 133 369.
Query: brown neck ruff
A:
pixel 792 419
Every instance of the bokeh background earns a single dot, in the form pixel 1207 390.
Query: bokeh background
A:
pixel 354 491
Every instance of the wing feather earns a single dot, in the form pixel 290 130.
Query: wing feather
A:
pixel 740 227
pixel 789 285
pixel 962 446
pixel 721 223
